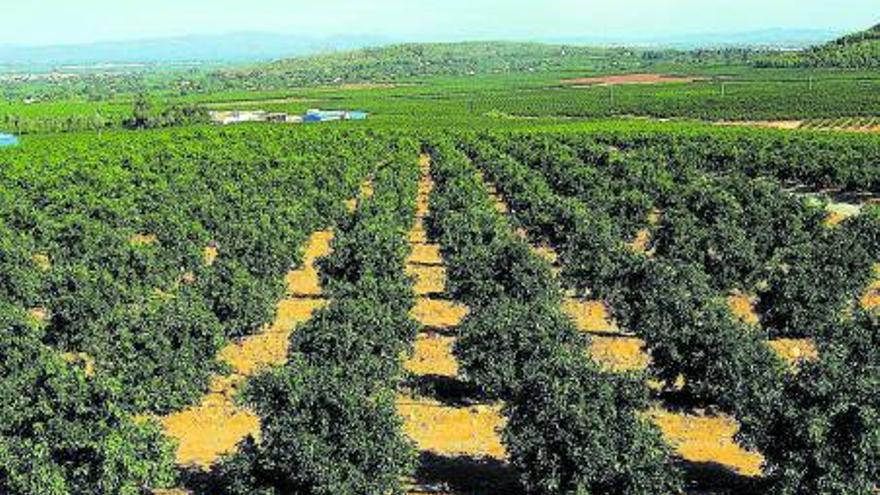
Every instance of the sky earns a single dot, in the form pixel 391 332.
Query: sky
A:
pixel 46 22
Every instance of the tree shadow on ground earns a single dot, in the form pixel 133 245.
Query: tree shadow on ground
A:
pixel 680 401
pixel 437 330
pixel 197 481
pixel 465 475
pixel 447 390
pixel 712 478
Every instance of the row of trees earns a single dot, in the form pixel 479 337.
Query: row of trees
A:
pixel 144 116
pixel 60 431
pixel 107 238
pixel 747 233
pixel 683 316
pixel 329 423
pixel 571 428
pixel 136 112
pixel 840 161
pixel 671 304
pixel 122 231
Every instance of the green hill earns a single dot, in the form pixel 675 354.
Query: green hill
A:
pixel 418 60
pixel 403 61
pixel 855 51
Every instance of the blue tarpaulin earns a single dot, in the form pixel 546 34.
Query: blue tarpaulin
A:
pixel 8 140
pixel 316 115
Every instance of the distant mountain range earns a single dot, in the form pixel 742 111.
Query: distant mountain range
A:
pixel 233 47
pixel 257 47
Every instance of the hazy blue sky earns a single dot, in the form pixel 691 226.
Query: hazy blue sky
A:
pixel 61 21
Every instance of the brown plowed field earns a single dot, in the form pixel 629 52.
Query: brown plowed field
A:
pixel 622 79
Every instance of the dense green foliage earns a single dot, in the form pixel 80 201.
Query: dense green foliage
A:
pixel 321 434
pixel 329 423
pixel 822 433
pixel 451 83
pixel 572 428
pixel 108 235
pixel 733 225
pixel 397 62
pixel 61 432
pixel 814 282
pixel 818 437
pixel 859 50
pixel 379 64
pixel 121 227
pixel 688 332
pixel 570 432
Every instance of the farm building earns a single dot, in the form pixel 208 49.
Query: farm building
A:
pixel 238 117
pixel 314 115
pixel 283 118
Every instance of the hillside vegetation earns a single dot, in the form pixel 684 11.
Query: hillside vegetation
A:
pixel 396 62
pixel 860 50
pixel 378 64
pixel 431 59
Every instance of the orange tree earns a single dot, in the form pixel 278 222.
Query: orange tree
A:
pixel 62 432
pixel 329 422
pixel 571 428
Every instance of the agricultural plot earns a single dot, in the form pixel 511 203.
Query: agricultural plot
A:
pixel 850 124
pixel 533 310
pixel 448 426
pixel 600 261
pixel 697 437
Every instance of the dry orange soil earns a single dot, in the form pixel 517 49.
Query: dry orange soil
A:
pixel 799 124
pixel 217 424
pixel 696 436
pixel 771 124
pixel 442 431
pixel 628 79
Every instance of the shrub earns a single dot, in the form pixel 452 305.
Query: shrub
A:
pixel 479 274
pixel 593 256
pixel 62 432
pixel 573 430
pixel 690 333
pixel 332 436
pixel 823 435
pixel 815 282
pixel 733 226
pixel 161 352
pixel 20 278
pixel 242 301
pixel 369 247
pixel 498 345
pixel 362 338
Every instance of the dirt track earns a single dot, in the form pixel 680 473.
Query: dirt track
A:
pixel 461 451
pixel 217 424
